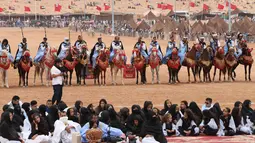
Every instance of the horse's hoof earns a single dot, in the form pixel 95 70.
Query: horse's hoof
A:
pixel 7 86
pixel 158 82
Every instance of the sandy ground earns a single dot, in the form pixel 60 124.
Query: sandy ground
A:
pixel 225 92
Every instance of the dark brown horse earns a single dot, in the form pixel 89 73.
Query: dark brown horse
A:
pixel 231 62
pixel 101 66
pixel 23 68
pixel 246 60
pixel 173 65
pixel 205 62
pixel 81 67
pixel 219 63
pixel 139 63
pixel 190 61
pixel 69 64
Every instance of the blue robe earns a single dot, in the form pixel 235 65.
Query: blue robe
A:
pixel 160 54
pixel 40 52
pixel 183 48
pixel 20 52
pixel 8 49
pixel 62 50
pixel 116 46
pixel 98 46
pixel 105 129
pixel 169 50
pixel 143 50
pixel 214 44
pixel 231 44
pixel 239 51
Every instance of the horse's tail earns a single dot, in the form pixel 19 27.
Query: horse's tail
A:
pixel 37 70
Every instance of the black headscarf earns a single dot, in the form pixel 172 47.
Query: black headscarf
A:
pixel 145 110
pixel 237 104
pixel 216 110
pixel 52 117
pixel 153 127
pixel 6 128
pixel 77 105
pixel 208 115
pixel 72 117
pixel 104 117
pixel 42 110
pixel 166 108
pixel 91 109
pixel 196 111
pixel 99 108
pixel 26 106
pixel 136 113
pixel 246 110
pixel 236 116
pixel 172 111
pixel 84 116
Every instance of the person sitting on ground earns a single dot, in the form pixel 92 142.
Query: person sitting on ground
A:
pixel 227 124
pixel 101 107
pixel 208 104
pixel 210 124
pixel 168 126
pixel 71 115
pixel 167 105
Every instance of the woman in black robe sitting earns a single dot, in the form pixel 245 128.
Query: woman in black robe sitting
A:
pixel 210 124
pixel 39 127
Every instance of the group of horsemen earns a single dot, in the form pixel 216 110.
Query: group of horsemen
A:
pixel 118 45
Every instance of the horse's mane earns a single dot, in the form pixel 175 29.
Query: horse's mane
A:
pixel 192 52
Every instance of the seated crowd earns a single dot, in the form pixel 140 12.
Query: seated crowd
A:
pixel 26 122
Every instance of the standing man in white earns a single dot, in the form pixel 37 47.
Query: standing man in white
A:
pixel 57 81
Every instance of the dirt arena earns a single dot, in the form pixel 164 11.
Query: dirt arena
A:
pixel 224 92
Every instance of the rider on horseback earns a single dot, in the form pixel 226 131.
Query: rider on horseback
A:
pixel 22 47
pixel 238 45
pixel 79 43
pixel 229 43
pixel 43 47
pixel 214 43
pixel 200 41
pixel 116 45
pixel 6 46
pixel 95 51
pixel 141 46
pixel 153 44
pixel 183 48
pixel 63 48
pixel 169 49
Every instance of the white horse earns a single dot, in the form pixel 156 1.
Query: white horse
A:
pixel 118 64
pixel 45 65
pixel 154 62
pixel 4 66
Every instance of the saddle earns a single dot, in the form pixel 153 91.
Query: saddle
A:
pixel 190 62
pixel 230 60
pixel 174 63
pixel 4 61
pixel 70 65
pixel 25 65
pixel 219 63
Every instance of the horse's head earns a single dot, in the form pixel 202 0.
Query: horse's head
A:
pixel 74 52
pixel 53 52
pixel 26 56
pixel 196 47
pixel 220 50
pixel 175 51
pixel 120 55
pixel 136 53
pixel 154 51
pixel 231 51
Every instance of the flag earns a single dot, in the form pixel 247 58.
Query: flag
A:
pixel 205 7
pixel 192 4
pixel 106 7
pixel 98 8
pixel 220 6
pixel 27 9
pixel 232 6
pixel 69 7
pixel 169 6
pixel 1 9
pixel 164 7
pixel 11 8
pixel 58 7
pixel 42 7
pixel 159 5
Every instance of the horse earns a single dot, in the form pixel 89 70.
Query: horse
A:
pixel 205 63
pixel 45 65
pixel 101 66
pixel 154 62
pixel 231 62
pixel 246 60
pixel 4 66
pixel 23 68
pixel 173 65
pixel 69 64
pixel 118 63
pixel 140 66
pixel 219 63
pixel 81 67
pixel 190 61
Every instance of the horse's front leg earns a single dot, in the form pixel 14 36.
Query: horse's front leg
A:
pixel 250 66
pixel 121 74
pixel 169 75
pixel 112 74
pixel 137 76
pixel 26 79
pixel 194 74
pixel 188 68
pixel 104 77
pixel 42 76
pixel 6 79
pixel 157 72
pixel 115 75
pixel 35 75
pixel 245 72
pixel 214 73
pixel 70 79
pixel 84 74
pixel 152 75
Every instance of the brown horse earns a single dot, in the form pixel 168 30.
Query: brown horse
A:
pixel 4 66
pixel 101 66
pixel 46 64
pixel 219 63
pixel 154 62
pixel 231 62
pixel 139 63
pixel 190 61
pixel 205 63
pixel 23 68
pixel 246 60
pixel 173 65
pixel 69 64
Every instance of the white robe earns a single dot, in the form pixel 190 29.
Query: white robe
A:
pixel 27 129
pixel 164 128
pixel 212 124
pixel 179 124
pixel 231 125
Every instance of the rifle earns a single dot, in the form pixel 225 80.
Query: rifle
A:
pixel 22 32
pixel 45 32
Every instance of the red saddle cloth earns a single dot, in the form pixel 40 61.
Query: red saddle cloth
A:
pixel 129 71
pixel 90 72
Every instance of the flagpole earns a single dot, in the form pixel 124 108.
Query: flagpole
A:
pixel 229 16
pixel 175 10
pixel 202 10
pixel 35 11
pixel 189 15
pixel 112 17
